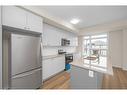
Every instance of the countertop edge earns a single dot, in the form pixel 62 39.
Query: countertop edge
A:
pixel 52 56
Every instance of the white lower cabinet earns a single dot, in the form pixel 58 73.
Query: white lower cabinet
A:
pixel 47 68
pixel 53 66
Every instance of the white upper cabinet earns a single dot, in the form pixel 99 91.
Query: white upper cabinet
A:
pixel 52 36
pixel 34 22
pixel 74 41
pixel 19 18
pixel 14 17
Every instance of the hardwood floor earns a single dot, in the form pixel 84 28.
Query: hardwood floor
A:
pixel 62 80
pixel 117 81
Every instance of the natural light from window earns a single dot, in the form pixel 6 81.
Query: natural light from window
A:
pixel 95 51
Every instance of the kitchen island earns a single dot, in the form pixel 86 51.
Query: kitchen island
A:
pixel 84 76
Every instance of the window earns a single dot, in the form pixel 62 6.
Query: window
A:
pixel 95 51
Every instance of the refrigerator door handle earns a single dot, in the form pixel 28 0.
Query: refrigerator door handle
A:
pixel 41 50
pixel 26 74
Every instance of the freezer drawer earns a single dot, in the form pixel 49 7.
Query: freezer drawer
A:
pixel 29 80
pixel 25 53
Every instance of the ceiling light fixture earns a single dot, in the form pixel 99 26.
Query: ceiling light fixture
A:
pixel 74 21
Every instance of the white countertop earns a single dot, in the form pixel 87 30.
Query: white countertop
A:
pixel 52 56
pixel 80 63
pixel 56 55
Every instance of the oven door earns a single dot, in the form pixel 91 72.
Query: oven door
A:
pixel 69 59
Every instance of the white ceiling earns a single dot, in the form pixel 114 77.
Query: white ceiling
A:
pixel 89 15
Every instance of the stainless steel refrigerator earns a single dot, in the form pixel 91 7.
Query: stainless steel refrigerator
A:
pixel 22 61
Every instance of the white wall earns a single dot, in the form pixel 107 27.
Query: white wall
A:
pixel 125 49
pixel 115 48
pixel 0 51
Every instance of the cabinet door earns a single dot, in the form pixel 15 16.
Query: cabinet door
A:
pixel 14 17
pixel 51 36
pixel 54 39
pixel 47 68
pixel 53 66
pixel 59 64
pixel 34 22
pixel 74 41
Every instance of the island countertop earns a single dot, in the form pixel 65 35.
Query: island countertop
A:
pixel 80 63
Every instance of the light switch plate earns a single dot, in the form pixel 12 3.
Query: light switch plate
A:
pixel 91 73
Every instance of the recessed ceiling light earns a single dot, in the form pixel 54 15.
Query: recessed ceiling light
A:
pixel 74 21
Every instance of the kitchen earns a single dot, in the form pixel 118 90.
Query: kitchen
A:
pixel 48 46
pixel 39 51
pixel 56 49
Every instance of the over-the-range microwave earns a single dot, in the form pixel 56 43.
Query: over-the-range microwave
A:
pixel 65 42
